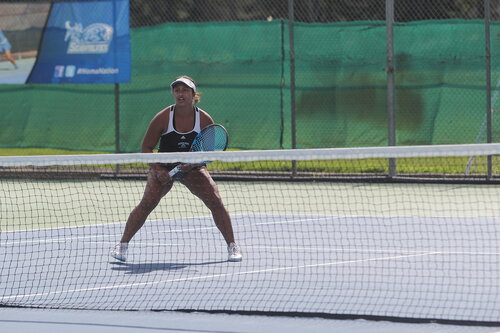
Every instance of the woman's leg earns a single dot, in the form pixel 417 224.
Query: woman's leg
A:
pixel 201 184
pixel 152 195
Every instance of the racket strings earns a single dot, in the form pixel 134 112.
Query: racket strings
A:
pixel 212 138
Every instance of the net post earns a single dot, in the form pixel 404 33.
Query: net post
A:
pixel 391 115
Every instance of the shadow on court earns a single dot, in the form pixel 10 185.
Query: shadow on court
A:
pixel 143 268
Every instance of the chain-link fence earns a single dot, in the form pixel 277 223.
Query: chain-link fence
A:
pixel 280 74
pixel 153 12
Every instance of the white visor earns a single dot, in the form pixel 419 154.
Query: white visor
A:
pixel 186 81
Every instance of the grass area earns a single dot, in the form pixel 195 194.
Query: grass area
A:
pixel 419 165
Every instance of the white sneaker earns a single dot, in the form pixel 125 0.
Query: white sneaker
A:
pixel 234 252
pixel 119 252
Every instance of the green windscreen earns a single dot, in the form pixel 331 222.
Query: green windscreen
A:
pixel 243 72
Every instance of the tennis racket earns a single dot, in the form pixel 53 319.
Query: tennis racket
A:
pixel 212 138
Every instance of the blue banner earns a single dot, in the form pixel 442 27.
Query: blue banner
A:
pixel 85 42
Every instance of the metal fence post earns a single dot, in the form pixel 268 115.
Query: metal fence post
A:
pixel 489 133
pixel 291 16
pixel 117 124
pixel 391 114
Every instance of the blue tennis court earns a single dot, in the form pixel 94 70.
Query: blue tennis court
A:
pixel 11 75
pixel 407 267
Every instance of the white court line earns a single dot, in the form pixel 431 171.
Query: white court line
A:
pixel 208 217
pixel 367 250
pixel 283 248
pixel 211 276
pixel 63 228
pixel 297 220
pixel 54 240
pixel 64 239
pixel 111 224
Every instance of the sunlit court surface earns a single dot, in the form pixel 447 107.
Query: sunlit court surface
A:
pixel 364 261
pixel 175 264
pixel 175 261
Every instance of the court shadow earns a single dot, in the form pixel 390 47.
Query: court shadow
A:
pixel 142 268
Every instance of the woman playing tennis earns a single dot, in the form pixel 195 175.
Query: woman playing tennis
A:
pixel 173 128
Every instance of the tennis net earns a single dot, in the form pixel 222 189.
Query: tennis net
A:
pixel 324 232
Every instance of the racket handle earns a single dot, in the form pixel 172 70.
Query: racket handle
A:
pixel 172 172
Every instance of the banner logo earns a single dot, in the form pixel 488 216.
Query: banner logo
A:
pixel 93 39
pixel 83 42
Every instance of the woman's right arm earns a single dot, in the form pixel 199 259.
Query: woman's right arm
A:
pixel 150 140
pixel 154 131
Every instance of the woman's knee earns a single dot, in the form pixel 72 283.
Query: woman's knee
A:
pixel 213 202
pixel 148 203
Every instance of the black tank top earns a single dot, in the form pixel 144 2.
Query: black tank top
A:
pixel 174 141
